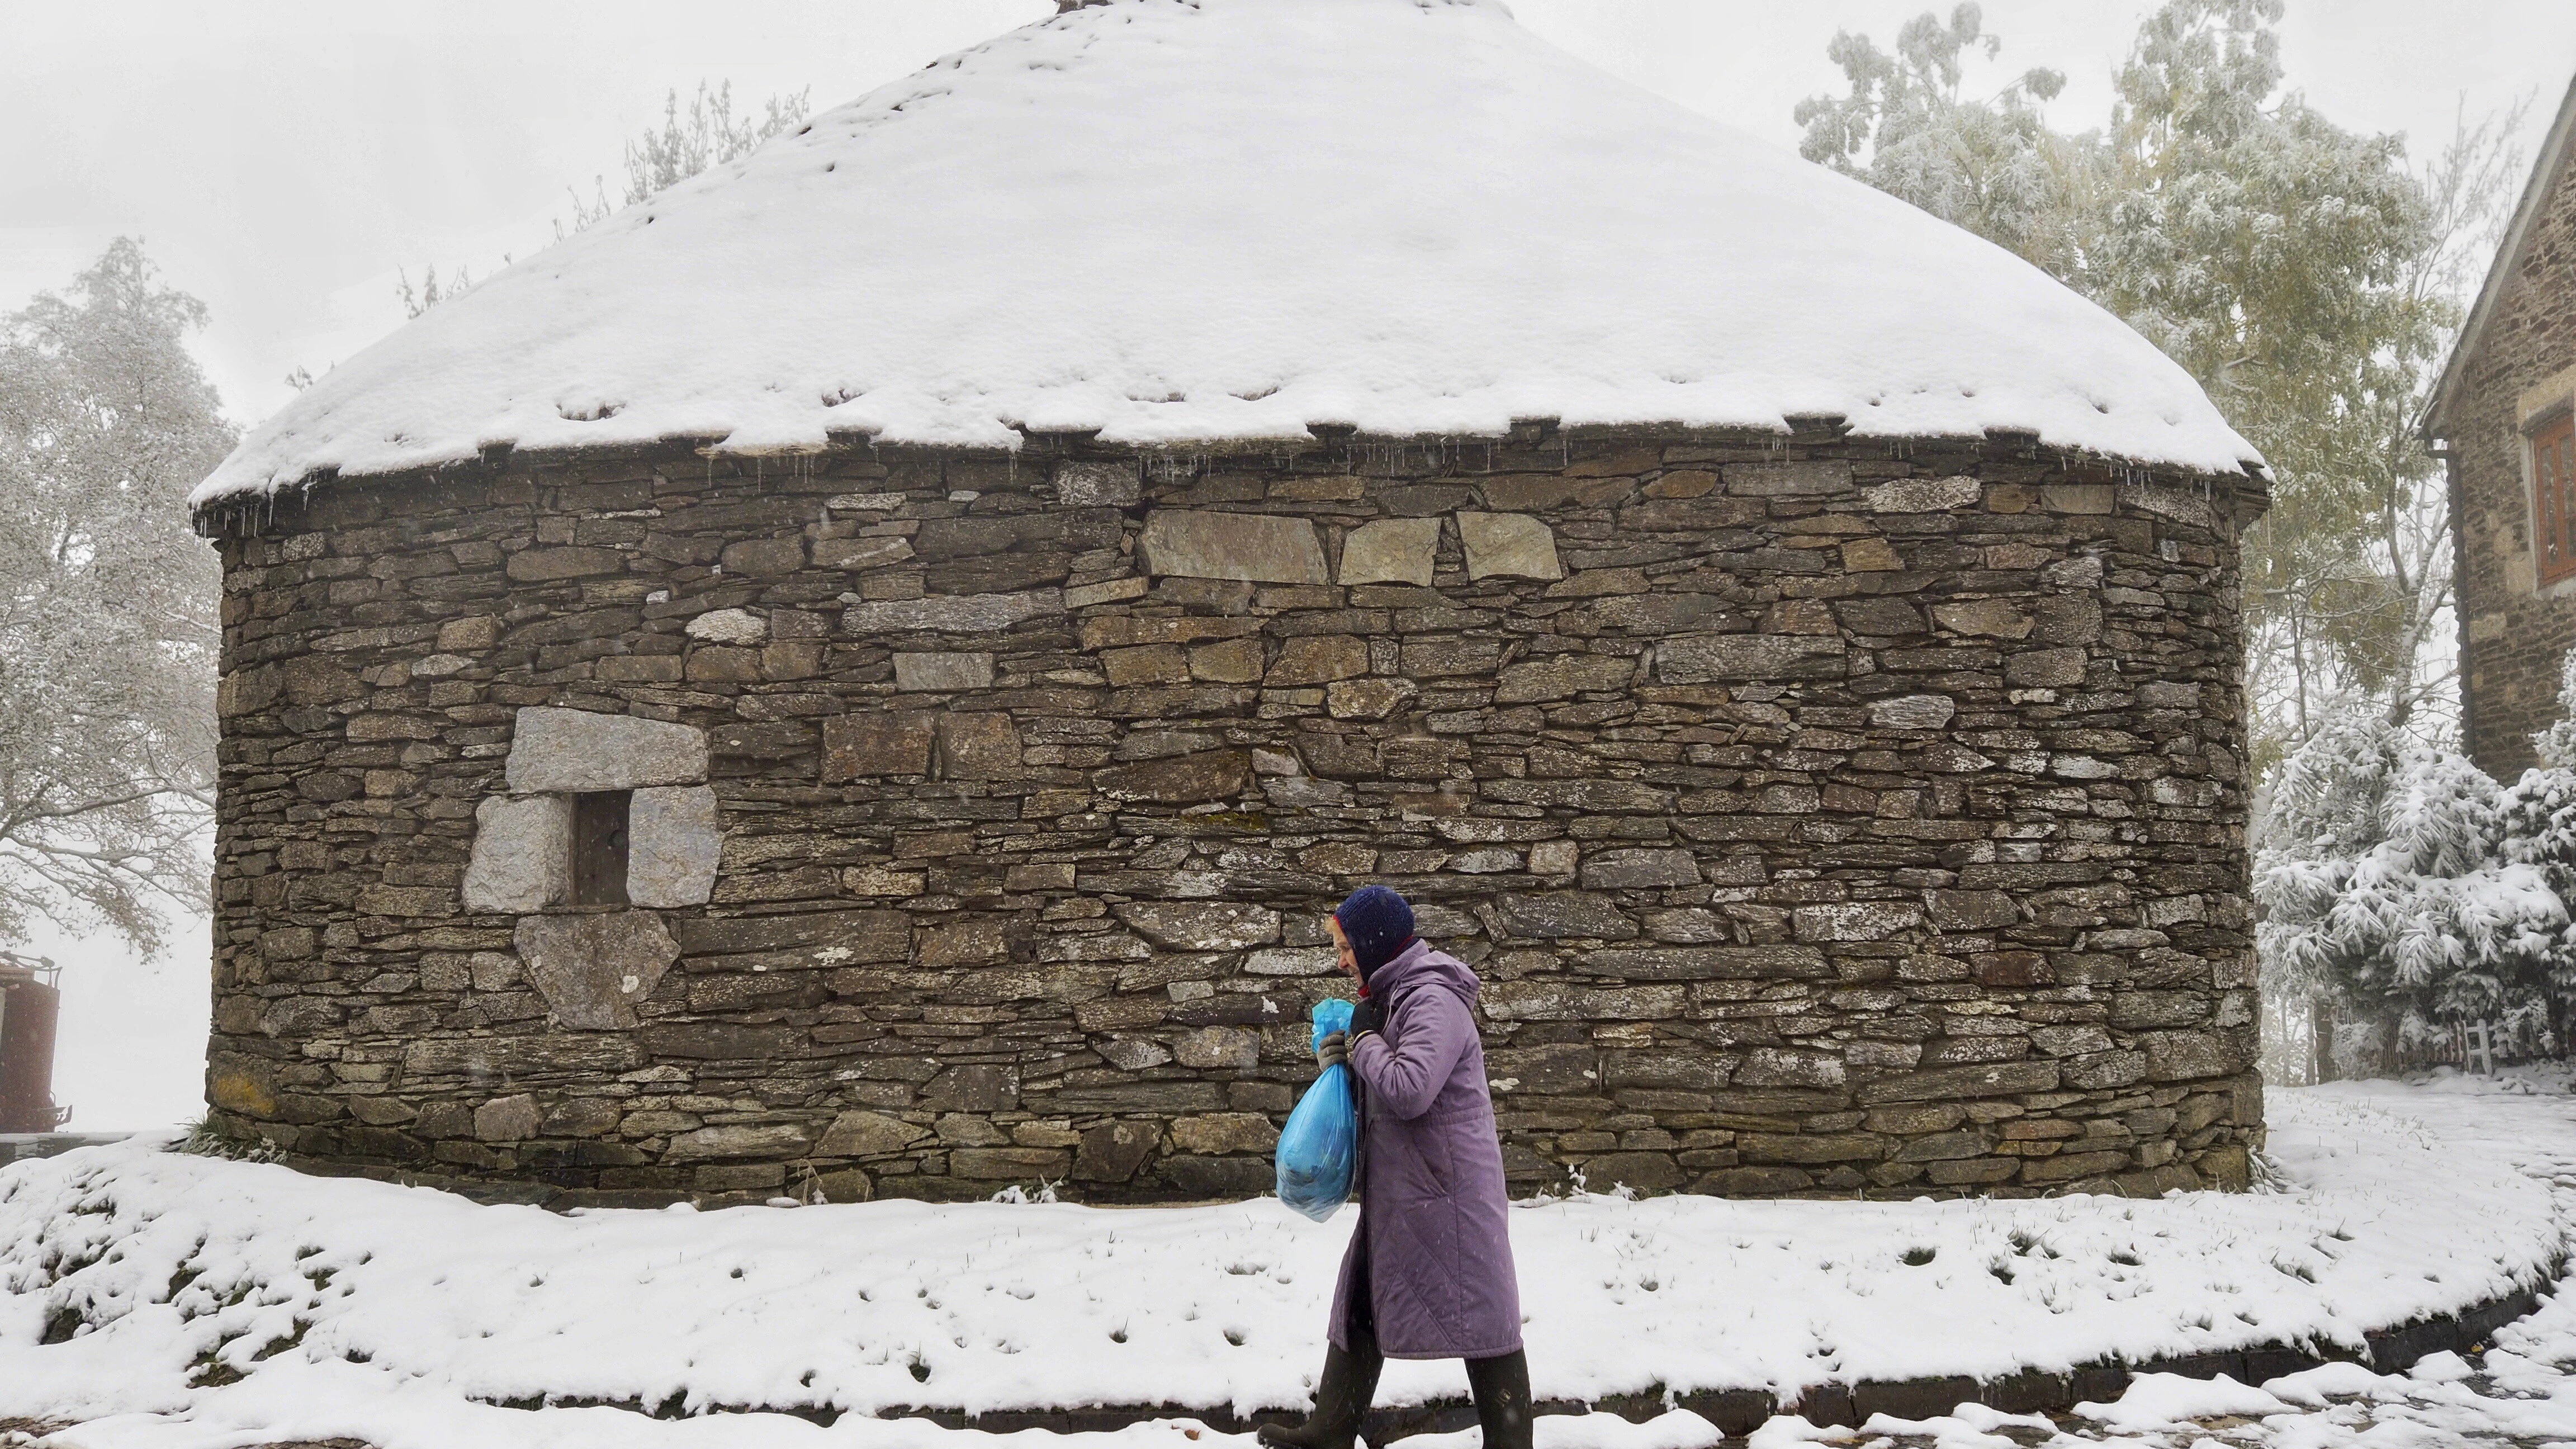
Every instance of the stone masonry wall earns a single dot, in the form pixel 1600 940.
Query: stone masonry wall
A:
pixel 2513 637
pixel 1823 818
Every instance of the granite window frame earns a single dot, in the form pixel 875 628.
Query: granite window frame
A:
pixel 612 813
pixel 2539 412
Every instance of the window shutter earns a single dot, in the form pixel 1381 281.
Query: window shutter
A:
pixel 2553 488
pixel 599 852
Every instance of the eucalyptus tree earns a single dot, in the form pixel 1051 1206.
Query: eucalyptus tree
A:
pixel 2309 276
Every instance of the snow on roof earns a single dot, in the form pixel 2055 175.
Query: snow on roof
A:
pixel 1191 222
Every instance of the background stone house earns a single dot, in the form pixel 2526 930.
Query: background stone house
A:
pixel 632 794
pixel 2502 418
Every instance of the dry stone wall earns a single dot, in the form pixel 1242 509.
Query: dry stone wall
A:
pixel 1822 818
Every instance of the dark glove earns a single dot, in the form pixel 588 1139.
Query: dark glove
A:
pixel 1332 1051
pixel 1365 1018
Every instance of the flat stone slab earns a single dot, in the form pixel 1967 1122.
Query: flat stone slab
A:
pixel 675 836
pixel 942 673
pixel 948 613
pixel 1109 591
pixel 1097 485
pixel 1391 551
pixel 981 745
pixel 860 553
pixel 522 859
pixel 729 626
pixel 1991 618
pixel 869 746
pixel 593 967
pixel 1913 712
pixel 575 750
pixel 1245 547
pixel 507 1119
pixel 1923 495
pixel 1711 658
pixel 1509 545
pixel 1200 925
pixel 1182 780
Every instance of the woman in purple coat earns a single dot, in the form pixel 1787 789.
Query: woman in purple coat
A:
pixel 1429 1270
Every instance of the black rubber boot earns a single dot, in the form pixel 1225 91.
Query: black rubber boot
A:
pixel 1341 1399
pixel 1502 1399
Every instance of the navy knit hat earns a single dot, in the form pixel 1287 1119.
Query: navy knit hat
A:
pixel 1378 923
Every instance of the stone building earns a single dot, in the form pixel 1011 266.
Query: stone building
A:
pixel 833 684
pixel 2502 419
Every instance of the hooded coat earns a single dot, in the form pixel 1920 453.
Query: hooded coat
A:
pixel 1433 1247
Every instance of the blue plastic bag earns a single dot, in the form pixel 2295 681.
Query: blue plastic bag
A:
pixel 1321 1145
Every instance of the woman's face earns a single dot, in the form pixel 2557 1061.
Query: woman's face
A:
pixel 1350 964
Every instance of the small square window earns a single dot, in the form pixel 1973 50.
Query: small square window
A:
pixel 599 847
pixel 2553 499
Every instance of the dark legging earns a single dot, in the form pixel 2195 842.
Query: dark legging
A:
pixel 1500 1384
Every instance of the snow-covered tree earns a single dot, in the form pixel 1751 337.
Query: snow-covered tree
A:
pixel 2404 891
pixel 1991 165
pixel 2539 828
pixel 2538 820
pixel 2387 890
pixel 2313 281
pixel 108 632
pixel 2307 275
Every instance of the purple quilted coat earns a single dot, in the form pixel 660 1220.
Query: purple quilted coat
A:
pixel 1432 1229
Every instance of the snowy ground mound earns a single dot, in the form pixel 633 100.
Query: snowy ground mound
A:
pixel 1185 224
pixel 194 1297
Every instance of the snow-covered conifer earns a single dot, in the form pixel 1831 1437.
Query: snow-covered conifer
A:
pixel 2387 886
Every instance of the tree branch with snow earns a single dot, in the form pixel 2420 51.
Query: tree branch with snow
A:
pixel 108 627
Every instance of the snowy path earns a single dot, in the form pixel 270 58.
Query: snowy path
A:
pixel 2521 1391
pixel 409 1319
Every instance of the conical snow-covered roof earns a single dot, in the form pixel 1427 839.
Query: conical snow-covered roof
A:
pixel 1189 222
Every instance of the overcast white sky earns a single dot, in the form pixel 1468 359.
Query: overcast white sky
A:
pixel 282 158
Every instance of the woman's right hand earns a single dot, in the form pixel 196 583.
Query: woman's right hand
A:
pixel 1332 1051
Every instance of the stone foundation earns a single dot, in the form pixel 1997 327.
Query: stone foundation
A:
pixel 1823 818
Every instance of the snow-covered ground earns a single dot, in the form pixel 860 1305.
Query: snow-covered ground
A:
pixel 307 1309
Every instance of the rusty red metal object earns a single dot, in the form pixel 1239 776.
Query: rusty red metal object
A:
pixel 29 1006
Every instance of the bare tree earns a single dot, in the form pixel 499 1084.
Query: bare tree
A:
pixel 108 628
